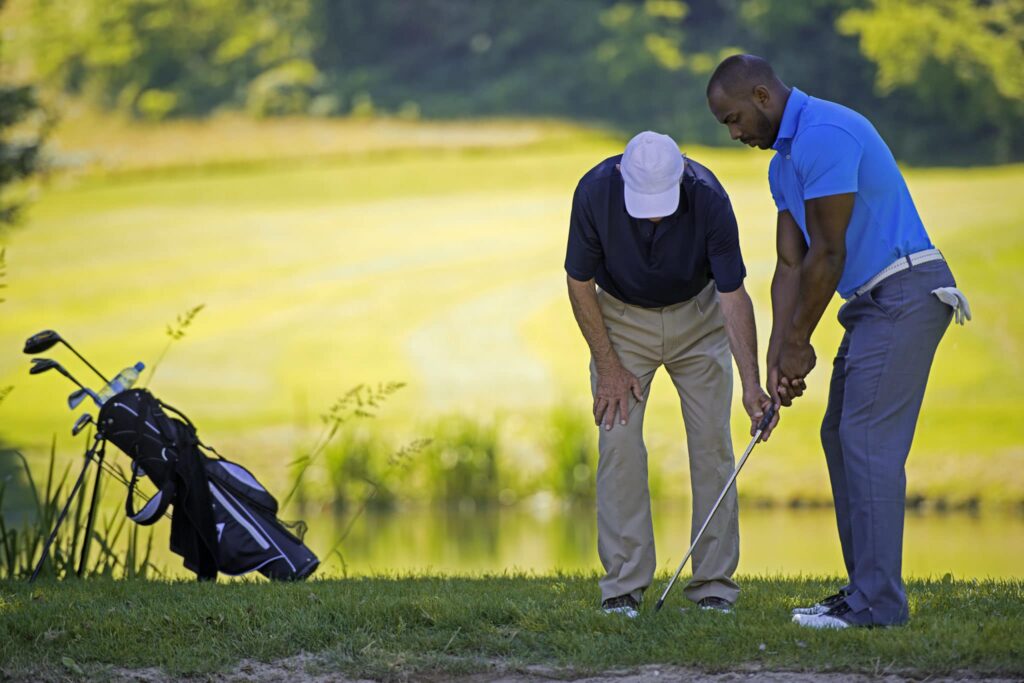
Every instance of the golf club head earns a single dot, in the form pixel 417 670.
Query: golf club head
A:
pixel 76 397
pixel 81 423
pixel 42 365
pixel 41 341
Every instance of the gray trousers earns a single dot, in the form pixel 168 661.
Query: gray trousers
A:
pixel 878 382
pixel 689 341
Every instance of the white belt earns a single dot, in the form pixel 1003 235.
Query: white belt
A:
pixel 898 266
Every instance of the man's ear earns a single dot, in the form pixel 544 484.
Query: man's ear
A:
pixel 762 96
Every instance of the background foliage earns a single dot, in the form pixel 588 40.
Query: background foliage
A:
pixel 942 80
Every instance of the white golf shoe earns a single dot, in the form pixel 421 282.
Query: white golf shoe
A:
pixel 822 606
pixel 832 619
pixel 624 605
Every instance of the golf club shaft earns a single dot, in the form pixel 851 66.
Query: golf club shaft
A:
pixel 732 480
pixel 707 521
pixel 82 358
pixel 48 364
pixel 63 513
pixel 87 541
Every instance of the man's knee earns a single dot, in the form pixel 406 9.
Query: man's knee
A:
pixel 716 438
pixel 850 436
pixel 830 439
pixel 621 441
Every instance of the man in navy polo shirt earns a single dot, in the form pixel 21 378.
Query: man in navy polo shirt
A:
pixel 846 222
pixel 655 278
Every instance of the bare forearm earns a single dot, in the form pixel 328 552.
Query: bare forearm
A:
pixel 583 297
pixel 742 331
pixel 819 275
pixel 822 265
pixel 785 290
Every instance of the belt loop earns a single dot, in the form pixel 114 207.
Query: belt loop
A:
pixel 910 264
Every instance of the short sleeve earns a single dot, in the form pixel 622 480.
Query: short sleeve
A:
pixel 723 245
pixel 775 185
pixel 584 253
pixel 828 161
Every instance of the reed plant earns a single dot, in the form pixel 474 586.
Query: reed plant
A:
pixel 4 391
pixel 361 402
pixel 571 455
pixel 356 463
pixel 462 463
pixel 175 331
pixel 122 552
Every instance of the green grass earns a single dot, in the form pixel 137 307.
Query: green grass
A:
pixel 433 255
pixel 390 628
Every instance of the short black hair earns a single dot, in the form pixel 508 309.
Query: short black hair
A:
pixel 741 72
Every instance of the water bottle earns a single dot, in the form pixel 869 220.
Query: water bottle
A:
pixel 124 380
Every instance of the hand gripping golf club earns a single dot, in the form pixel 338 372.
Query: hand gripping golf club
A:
pixel 46 339
pixel 763 425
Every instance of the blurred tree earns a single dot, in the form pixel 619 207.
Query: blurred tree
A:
pixel 19 156
pixel 156 59
pixel 940 79
pixel 963 60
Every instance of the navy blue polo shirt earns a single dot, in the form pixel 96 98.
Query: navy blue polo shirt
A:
pixel 647 264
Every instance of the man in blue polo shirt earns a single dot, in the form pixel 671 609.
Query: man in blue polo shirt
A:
pixel 846 222
pixel 655 278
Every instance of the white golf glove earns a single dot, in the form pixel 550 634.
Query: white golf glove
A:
pixel 955 299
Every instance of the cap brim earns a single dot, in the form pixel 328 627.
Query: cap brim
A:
pixel 659 205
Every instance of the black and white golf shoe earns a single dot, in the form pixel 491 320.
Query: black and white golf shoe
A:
pixel 832 619
pixel 715 604
pixel 624 605
pixel 822 606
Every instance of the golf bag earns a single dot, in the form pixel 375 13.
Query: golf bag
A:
pixel 224 520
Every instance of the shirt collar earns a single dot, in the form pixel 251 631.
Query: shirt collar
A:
pixel 791 116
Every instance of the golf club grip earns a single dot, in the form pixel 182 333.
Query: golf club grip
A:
pixel 767 419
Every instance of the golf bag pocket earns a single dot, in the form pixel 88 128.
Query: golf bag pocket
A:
pixel 249 535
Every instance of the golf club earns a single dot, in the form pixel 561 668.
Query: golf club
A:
pixel 46 339
pixel 90 453
pixel 81 423
pixel 76 397
pixel 40 365
pixel 763 425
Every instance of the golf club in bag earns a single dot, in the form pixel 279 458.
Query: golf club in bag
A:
pixel 224 520
pixel 94 450
pixel 763 425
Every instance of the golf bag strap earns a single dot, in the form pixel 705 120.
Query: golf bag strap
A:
pixel 154 508
pixel 184 418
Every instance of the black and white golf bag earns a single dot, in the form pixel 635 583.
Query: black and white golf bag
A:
pixel 224 520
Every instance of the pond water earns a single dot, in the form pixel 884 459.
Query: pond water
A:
pixel 775 541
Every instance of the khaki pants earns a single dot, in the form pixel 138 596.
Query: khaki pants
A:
pixel 689 339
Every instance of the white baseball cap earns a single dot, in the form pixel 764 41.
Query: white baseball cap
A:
pixel 651 168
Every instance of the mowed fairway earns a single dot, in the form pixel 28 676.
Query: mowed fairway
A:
pixel 443 269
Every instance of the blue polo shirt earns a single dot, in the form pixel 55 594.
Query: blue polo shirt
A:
pixel 824 148
pixel 647 264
